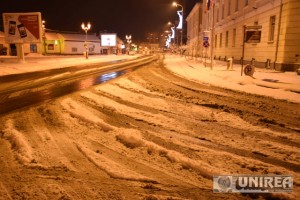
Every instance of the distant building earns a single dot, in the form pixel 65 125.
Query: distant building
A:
pixel 63 43
pixel 3 45
pixel 152 37
pixel 274 43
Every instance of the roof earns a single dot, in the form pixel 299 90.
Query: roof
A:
pixel 52 36
pixel 78 37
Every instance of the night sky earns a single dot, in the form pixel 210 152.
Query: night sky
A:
pixel 135 17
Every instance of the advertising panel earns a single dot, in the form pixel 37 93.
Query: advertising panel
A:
pixel 108 40
pixel 22 27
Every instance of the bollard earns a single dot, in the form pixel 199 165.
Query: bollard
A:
pixel 268 64
pixel 252 61
pixel 229 64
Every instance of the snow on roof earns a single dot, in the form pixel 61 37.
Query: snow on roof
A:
pixel 78 37
pixel 52 36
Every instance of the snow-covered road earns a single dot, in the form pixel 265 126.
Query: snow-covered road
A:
pixel 147 135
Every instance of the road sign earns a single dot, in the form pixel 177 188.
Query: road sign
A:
pixel 205 38
pixel 249 70
pixel 206 43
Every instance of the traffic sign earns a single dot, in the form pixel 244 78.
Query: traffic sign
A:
pixel 206 43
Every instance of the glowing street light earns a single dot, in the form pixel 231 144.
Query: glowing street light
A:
pixel 180 15
pixel 172 29
pixel 128 38
pixel 86 28
pixel 44 34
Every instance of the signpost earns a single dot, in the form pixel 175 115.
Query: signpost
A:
pixel 20 28
pixel 205 45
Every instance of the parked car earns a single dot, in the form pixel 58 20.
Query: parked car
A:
pixel 3 51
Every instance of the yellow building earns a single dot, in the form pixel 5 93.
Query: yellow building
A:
pixel 275 25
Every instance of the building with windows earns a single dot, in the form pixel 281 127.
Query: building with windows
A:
pixel 194 32
pixel 63 43
pixel 272 31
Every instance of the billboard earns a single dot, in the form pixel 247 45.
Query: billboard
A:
pixel 109 40
pixel 22 27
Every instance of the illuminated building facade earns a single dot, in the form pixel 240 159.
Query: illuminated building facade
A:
pixel 276 23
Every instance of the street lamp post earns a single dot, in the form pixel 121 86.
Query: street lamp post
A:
pixel 86 28
pixel 128 38
pixel 173 31
pixel 44 35
pixel 180 24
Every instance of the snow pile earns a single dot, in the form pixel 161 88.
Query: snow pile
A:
pixel 266 83
pixel 148 117
pixel 125 82
pixel 19 143
pixel 113 169
pixel 133 139
pixel 34 62
pixel 82 113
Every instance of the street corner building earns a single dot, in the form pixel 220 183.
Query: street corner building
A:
pixel 268 29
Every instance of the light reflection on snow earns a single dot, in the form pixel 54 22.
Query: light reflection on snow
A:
pixel 109 76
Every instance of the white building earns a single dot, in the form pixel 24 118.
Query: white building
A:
pixel 277 43
pixel 63 43
pixel 195 32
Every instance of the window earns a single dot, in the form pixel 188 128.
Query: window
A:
pixel 226 39
pixel 74 49
pixel 33 48
pixel 50 46
pixel 246 3
pixel 272 28
pixel 91 49
pixel 233 37
pixel 220 40
pixel 218 15
pixel 236 5
pixel 216 41
pixel 229 7
pixel 223 10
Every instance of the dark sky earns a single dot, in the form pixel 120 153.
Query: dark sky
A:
pixel 135 17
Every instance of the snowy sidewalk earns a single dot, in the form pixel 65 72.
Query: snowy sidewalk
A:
pixel 280 85
pixel 35 62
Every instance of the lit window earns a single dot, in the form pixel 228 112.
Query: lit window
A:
pixel 50 46
pixel 272 28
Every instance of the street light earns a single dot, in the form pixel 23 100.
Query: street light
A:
pixel 44 35
pixel 180 15
pixel 86 28
pixel 128 38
